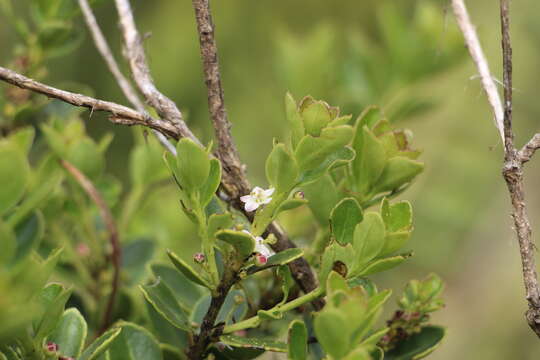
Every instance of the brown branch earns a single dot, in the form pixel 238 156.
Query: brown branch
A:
pixel 106 53
pixel 106 215
pixel 513 174
pixel 134 54
pixel 513 159
pixel 528 150
pixel 120 114
pixel 237 184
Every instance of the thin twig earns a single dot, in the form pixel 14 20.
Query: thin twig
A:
pixel 513 174
pixel 120 114
pixel 116 253
pixel 513 159
pixel 477 55
pixel 226 150
pixel 134 54
pixel 105 51
pixel 528 150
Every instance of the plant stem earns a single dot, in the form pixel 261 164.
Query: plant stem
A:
pixel 256 320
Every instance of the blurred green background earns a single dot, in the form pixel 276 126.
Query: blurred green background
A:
pixel 405 56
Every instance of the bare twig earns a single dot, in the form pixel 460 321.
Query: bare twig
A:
pixel 513 159
pixel 120 114
pixel 513 174
pixel 116 253
pixel 134 53
pixel 123 83
pixel 226 151
pixel 528 150
pixel 477 54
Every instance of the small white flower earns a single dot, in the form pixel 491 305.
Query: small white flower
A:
pixel 260 247
pixel 257 197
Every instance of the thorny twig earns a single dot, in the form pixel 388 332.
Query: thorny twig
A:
pixel 116 253
pixel 513 159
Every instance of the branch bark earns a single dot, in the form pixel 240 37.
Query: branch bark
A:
pixel 134 54
pixel 108 219
pixel 513 159
pixel 107 55
pixel 119 114
pixel 226 151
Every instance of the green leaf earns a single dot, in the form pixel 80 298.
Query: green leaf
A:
pixel 312 151
pixel 291 204
pixel 58 38
pixel 381 265
pixel 187 270
pixel 295 121
pixel 136 254
pixel 23 138
pixel 359 354
pixel 338 158
pixel 418 345
pixel 297 340
pixel 369 237
pixel 281 169
pixel 185 291
pixel 36 197
pixel 284 257
pixel 234 308
pixel 241 241
pixel 370 159
pixel 165 303
pixel 86 157
pixel 316 116
pixel 144 166
pixel 397 216
pixel 394 241
pixel 254 343
pixel 322 196
pixel 218 222
pixel 398 171
pixel 344 218
pixel 331 329
pixel 70 333
pixel 14 176
pixel 193 164
pixel 8 241
pixel 135 343
pixel 100 345
pixel 53 298
pixel 210 186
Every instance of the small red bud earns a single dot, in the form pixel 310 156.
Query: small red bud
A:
pixel 199 258
pixel 83 249
pixel 260 259
pixel 51 347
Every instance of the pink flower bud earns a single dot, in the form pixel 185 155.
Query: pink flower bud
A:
pixel 51 347
pixel 83 249
pixel 199 258
pixel 299 195
pixel 260 259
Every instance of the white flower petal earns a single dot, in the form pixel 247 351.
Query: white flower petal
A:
pixel 257 189
pixel 246 198
pixel 269 192
pixel 251 206
pixel 266 201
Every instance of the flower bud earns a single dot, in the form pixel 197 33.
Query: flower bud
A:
pixel 199 258
pixel 299 195
pixel 51 348
pixel 260 260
